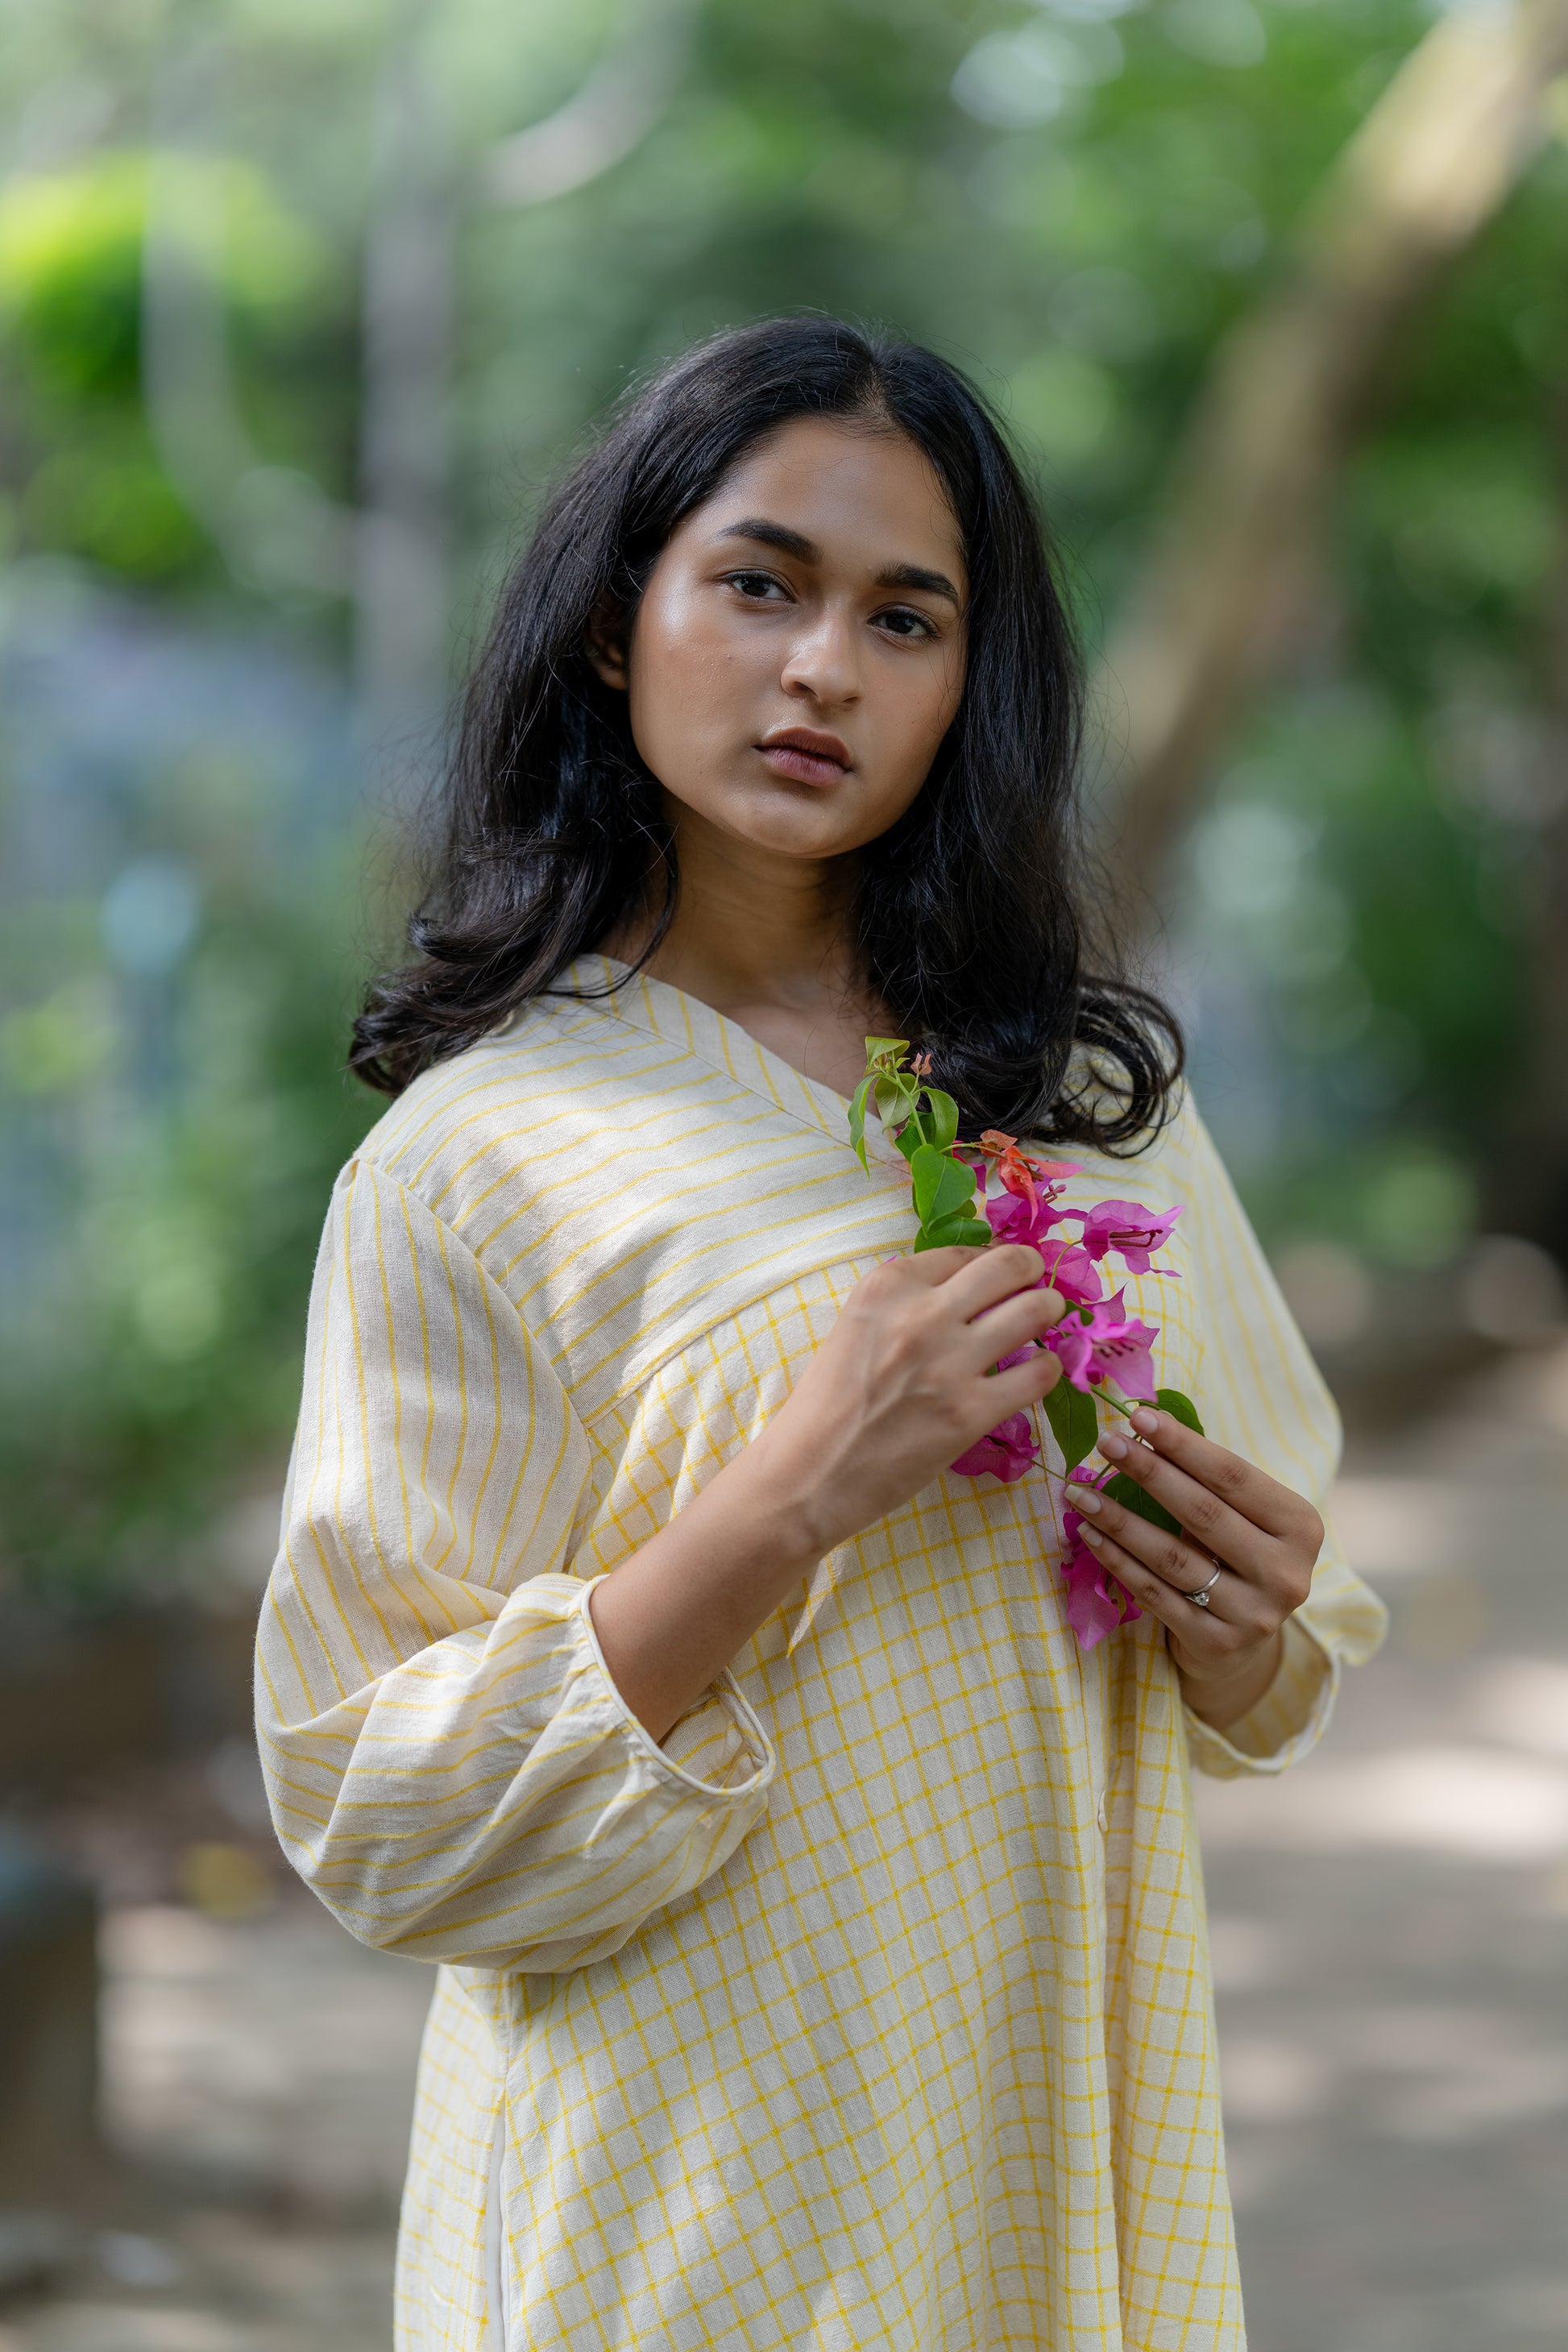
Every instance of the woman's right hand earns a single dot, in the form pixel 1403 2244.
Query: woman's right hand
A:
pixel 905 1383
pixel 897 1389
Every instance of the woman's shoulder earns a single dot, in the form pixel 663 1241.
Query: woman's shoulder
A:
pixel 1177 1155
pixel 550 1080
pixel 624 1192
pixel 1182 1156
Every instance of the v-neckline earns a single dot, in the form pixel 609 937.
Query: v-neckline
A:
pixel 682 1019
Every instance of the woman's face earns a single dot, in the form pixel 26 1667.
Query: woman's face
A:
pixel 798 653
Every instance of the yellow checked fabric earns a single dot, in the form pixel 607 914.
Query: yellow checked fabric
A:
pixel 871 2011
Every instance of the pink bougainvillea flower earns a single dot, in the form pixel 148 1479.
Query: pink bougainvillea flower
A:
pixel 1096 1604
pixel 1099 1342
pixel 1018 1171
pixel 1125 1354
pixel 1070 1270
pixel 1011 1217
pixel 1067 1265
pixel 1008 1451
pixel 1082 1477
pixel 1130 1229
pixel 1017 1218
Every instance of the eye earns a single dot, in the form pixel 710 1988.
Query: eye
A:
pixel 902 621
pixel 757 587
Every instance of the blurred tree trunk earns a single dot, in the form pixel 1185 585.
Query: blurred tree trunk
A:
pixel 403 533
pixel 1429 169
pixel 401 554
pixel 1527 1183
pixel 276 529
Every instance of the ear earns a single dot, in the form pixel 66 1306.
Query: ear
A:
pixel 605 645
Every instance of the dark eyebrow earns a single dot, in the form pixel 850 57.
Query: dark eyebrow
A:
pixel 806 551
pixel 910 576
pixel 774 534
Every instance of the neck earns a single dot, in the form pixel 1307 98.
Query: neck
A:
pixel 767 941
pixel 752 928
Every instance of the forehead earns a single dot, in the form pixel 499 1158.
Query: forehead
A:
pixel 865 496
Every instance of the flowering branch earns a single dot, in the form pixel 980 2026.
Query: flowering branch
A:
pixel 923 1123
pixel 1105 1354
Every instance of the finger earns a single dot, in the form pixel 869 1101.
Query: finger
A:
pixel 1248 1490
pixel 1029 1315
pixel 1208 1636
pixel 935 1266
pixel 1214 1525
pixel 986 1277
pixel 1024 1385
pixel 1174 1558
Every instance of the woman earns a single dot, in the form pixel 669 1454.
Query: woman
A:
pixel 821 1929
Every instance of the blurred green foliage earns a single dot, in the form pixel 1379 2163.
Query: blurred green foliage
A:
pixel 1075 200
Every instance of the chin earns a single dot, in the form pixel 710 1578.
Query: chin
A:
pixel 799 821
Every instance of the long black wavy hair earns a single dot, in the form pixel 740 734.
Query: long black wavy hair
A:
pixel 968 914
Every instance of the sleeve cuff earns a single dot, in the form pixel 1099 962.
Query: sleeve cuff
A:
pixel 718 1751
pixel 1290 1719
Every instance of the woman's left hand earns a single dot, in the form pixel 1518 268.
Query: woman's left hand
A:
pixel 1263 1538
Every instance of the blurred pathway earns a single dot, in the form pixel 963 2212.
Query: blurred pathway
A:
pixel 1391 1943
pixel 1390 1920
pixel 260 2081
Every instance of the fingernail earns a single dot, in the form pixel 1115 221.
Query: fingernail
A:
pixel 1115 1446
pixel 1083 1498
pixel 1145 1422
pixel 1092 1536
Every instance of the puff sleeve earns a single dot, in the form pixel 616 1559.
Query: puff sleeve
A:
pixel 449 1765
pixel 1261 1394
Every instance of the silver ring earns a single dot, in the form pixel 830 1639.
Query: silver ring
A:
pixel 1200 1599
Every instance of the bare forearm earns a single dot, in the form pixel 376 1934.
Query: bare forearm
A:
pixel 674 1614
pixel 904 1383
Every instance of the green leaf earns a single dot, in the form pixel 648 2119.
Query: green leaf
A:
pixel 971 1232
pixel 891 1090
pixel 1180 1408
pixel 858 1118
pixel 1135 1499
pixel 1075 1424
pixel 943 1185
pixel 941 1119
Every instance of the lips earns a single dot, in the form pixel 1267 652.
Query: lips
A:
pixel 805 755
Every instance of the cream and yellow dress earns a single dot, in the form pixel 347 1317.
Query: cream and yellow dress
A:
pixel 870 2011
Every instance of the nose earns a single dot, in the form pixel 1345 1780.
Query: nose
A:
pixel 823 664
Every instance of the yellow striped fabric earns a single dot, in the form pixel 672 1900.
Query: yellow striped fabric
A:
pixel 872 2007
